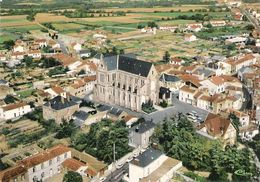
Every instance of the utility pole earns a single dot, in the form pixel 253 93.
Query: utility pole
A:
pixel 114 152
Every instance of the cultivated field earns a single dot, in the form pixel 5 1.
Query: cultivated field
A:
pixel 175 8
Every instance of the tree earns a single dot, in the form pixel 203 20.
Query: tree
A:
pixel 8 44
pixel 152 24
pixel 66 129
pixel 72 176
pixel 82 72
pixel 167 56
pixel 28 61
pixel 235 121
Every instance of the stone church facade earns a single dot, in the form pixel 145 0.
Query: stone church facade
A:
pixel 126 81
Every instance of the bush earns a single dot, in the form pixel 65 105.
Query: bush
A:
pixel 72 176
pixel 163 104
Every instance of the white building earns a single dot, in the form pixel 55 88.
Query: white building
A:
pixel 11 111
pixel 19 48
pixel 140 134
pixel 36 54
pixel 76 46
pixel 190 37
pixel 215 85
pixel 56 91
pixel 186 94
pixel 153 165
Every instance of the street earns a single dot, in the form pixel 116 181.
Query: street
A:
pixel 118 174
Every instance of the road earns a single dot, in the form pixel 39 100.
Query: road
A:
pixel 118 174
pixel 63 46
pixel 250 18
pixel 178 107
pixel 247 104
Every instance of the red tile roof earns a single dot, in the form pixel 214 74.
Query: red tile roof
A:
pixel 72 164
pixel 14 106
pixel 12 172
pixel 44 156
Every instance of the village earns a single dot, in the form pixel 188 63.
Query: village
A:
pixel 120 106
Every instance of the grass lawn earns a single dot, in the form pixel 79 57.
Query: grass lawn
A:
pixel 67 26
pixel 22 29
pixel 7 36
pixel 25 93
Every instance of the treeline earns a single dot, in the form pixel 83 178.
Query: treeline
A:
pixel 91 13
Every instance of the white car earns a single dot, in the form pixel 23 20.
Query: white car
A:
pixel 129 159
pixel 102 179
pixel 118 166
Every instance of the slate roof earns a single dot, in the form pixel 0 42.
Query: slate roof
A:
pixel 169 78
pixel 115 111
pixel 111 61
pixel 205 71
pixel 3 82
pixel 143 127
pixel 59 102
pixel 147 157
pixel 164 91
pixel 134 66
pixel 84 51
pixel 81 115
pixel 103 107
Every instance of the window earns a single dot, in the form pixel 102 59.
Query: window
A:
pixel 34 169
pixel 42 175
pixel 42 165
pixel 50 162
pixel 65 155
pixel 58 158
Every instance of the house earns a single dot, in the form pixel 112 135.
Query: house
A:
pixel 186 94
pixel 216 127
pixel 165 95
pixel 115 114
pixel 149 30
pixel 41 43
pixel 140 134
pixel 3 57
pixel 5 90
pixel 36 54
pixel 76 46
pixel 84 53
pixel 18 48
pixel 15 110
pixel 215 84
pixel 90 83
pixel 194 27
pixel 168 28
pixel 127 82
pixel 46 164
pixel 60 109
pixel 53 44
pixel 241 61
pixel 17 55
pixel 174 83
pixel 203 73
pixel 176 61
pixel 153 165
pixel 244 119
pixel 56 91
pixel 78 88
pixel 190 37
pixel 217 23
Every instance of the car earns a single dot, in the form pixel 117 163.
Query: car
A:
pixel 136 154
pixel 191 118
pixel 102 179
pixel 129 159
pixel 194 112
pixel 118 166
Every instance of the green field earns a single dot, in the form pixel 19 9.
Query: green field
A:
pixel 3 20
pixel 215 15
pixel 21 29
pixel 25 93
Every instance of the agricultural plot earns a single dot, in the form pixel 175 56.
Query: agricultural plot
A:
pixel 13 21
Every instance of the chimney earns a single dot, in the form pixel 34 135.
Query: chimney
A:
pixel 155 146
pixel 117 61
pixel 136 162
pixel 62 100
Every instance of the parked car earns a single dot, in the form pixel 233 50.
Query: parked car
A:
pixel 129 159
pixel 102 179
pixel 119 166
